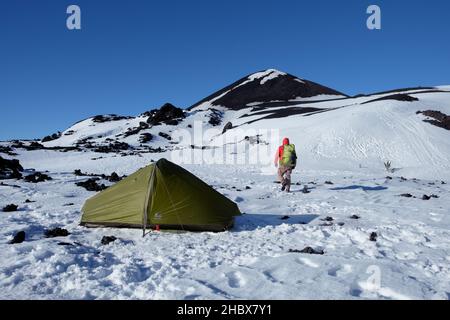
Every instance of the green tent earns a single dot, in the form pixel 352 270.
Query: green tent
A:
pixel 161 195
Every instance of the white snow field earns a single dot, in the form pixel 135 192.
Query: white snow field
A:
pixel 341 154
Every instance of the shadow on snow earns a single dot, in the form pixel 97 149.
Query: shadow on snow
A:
pixel 250 222
pixel 364 188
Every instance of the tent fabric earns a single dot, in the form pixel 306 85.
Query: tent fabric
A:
pixel 162 194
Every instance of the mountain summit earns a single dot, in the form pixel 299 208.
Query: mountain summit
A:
pixel 267 86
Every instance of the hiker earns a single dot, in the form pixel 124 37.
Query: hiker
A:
pixel 286 160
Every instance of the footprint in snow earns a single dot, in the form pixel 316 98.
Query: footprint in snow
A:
pixel 340 270
pixel 308 262
pixel 235 279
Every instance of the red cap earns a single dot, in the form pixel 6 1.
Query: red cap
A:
pixel 285 141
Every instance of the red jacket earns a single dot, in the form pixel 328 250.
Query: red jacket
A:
pixel 279 153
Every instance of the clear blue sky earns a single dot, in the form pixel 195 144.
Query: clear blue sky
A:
pixel 132 56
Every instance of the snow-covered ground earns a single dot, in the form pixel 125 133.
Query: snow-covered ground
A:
pixel 410 259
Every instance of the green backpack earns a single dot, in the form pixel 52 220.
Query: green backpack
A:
pixel 289 157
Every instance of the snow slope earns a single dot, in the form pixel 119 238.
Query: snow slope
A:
pixel 251 261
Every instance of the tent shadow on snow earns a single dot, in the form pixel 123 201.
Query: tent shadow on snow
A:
pixel 250 222
pixel 364 188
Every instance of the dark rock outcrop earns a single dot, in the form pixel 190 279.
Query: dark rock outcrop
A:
pixel 7 150
pixel 51 137
pixel 108 239
pixel 34 145
pixel 227 127
pixel 165 135
pixel 436 118
pixel 250 89
pixel 56 232
pixel 108 118
pixel 399 97
pixel 10 208
pixel 10 169
pixel 406 195
pixel 133 131
pixel 91 185
pixel 19 237
pixel 114 177
pixel 168 114
pixel 307 250
pixel 115 147
pixel 37 177
pixel 215 117
pixel 145 137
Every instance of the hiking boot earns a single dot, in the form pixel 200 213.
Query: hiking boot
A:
pixel 283 187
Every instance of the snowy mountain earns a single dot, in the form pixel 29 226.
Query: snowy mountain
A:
pixel 266 87
pixel 349 229
pixel 328 127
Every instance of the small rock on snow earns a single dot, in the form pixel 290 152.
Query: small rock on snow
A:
pixel 108 239
pixel 308 250
pixel 10 208
pixel 406 195
pixel 56 232
pixel 18 238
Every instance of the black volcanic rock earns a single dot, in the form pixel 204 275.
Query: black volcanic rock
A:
pixel 215 117
pixel 307 250
pixel 56 232
pixel 51 137
pixel 227 127
pixel 114 147
pixel 7 150
pixel 437 118
pixel 10 208
pixel 165 135
pixel 108 118
pixel 406 195
pixel 145 137
pixel 114 177
pixel 251 89
pixel 10 169
pixel 91 185
pixel 108 239
pixel 19 237
pixel 34 146
pixel 133 131
pixel 37 177
pixel 399 97
pixel 168 114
